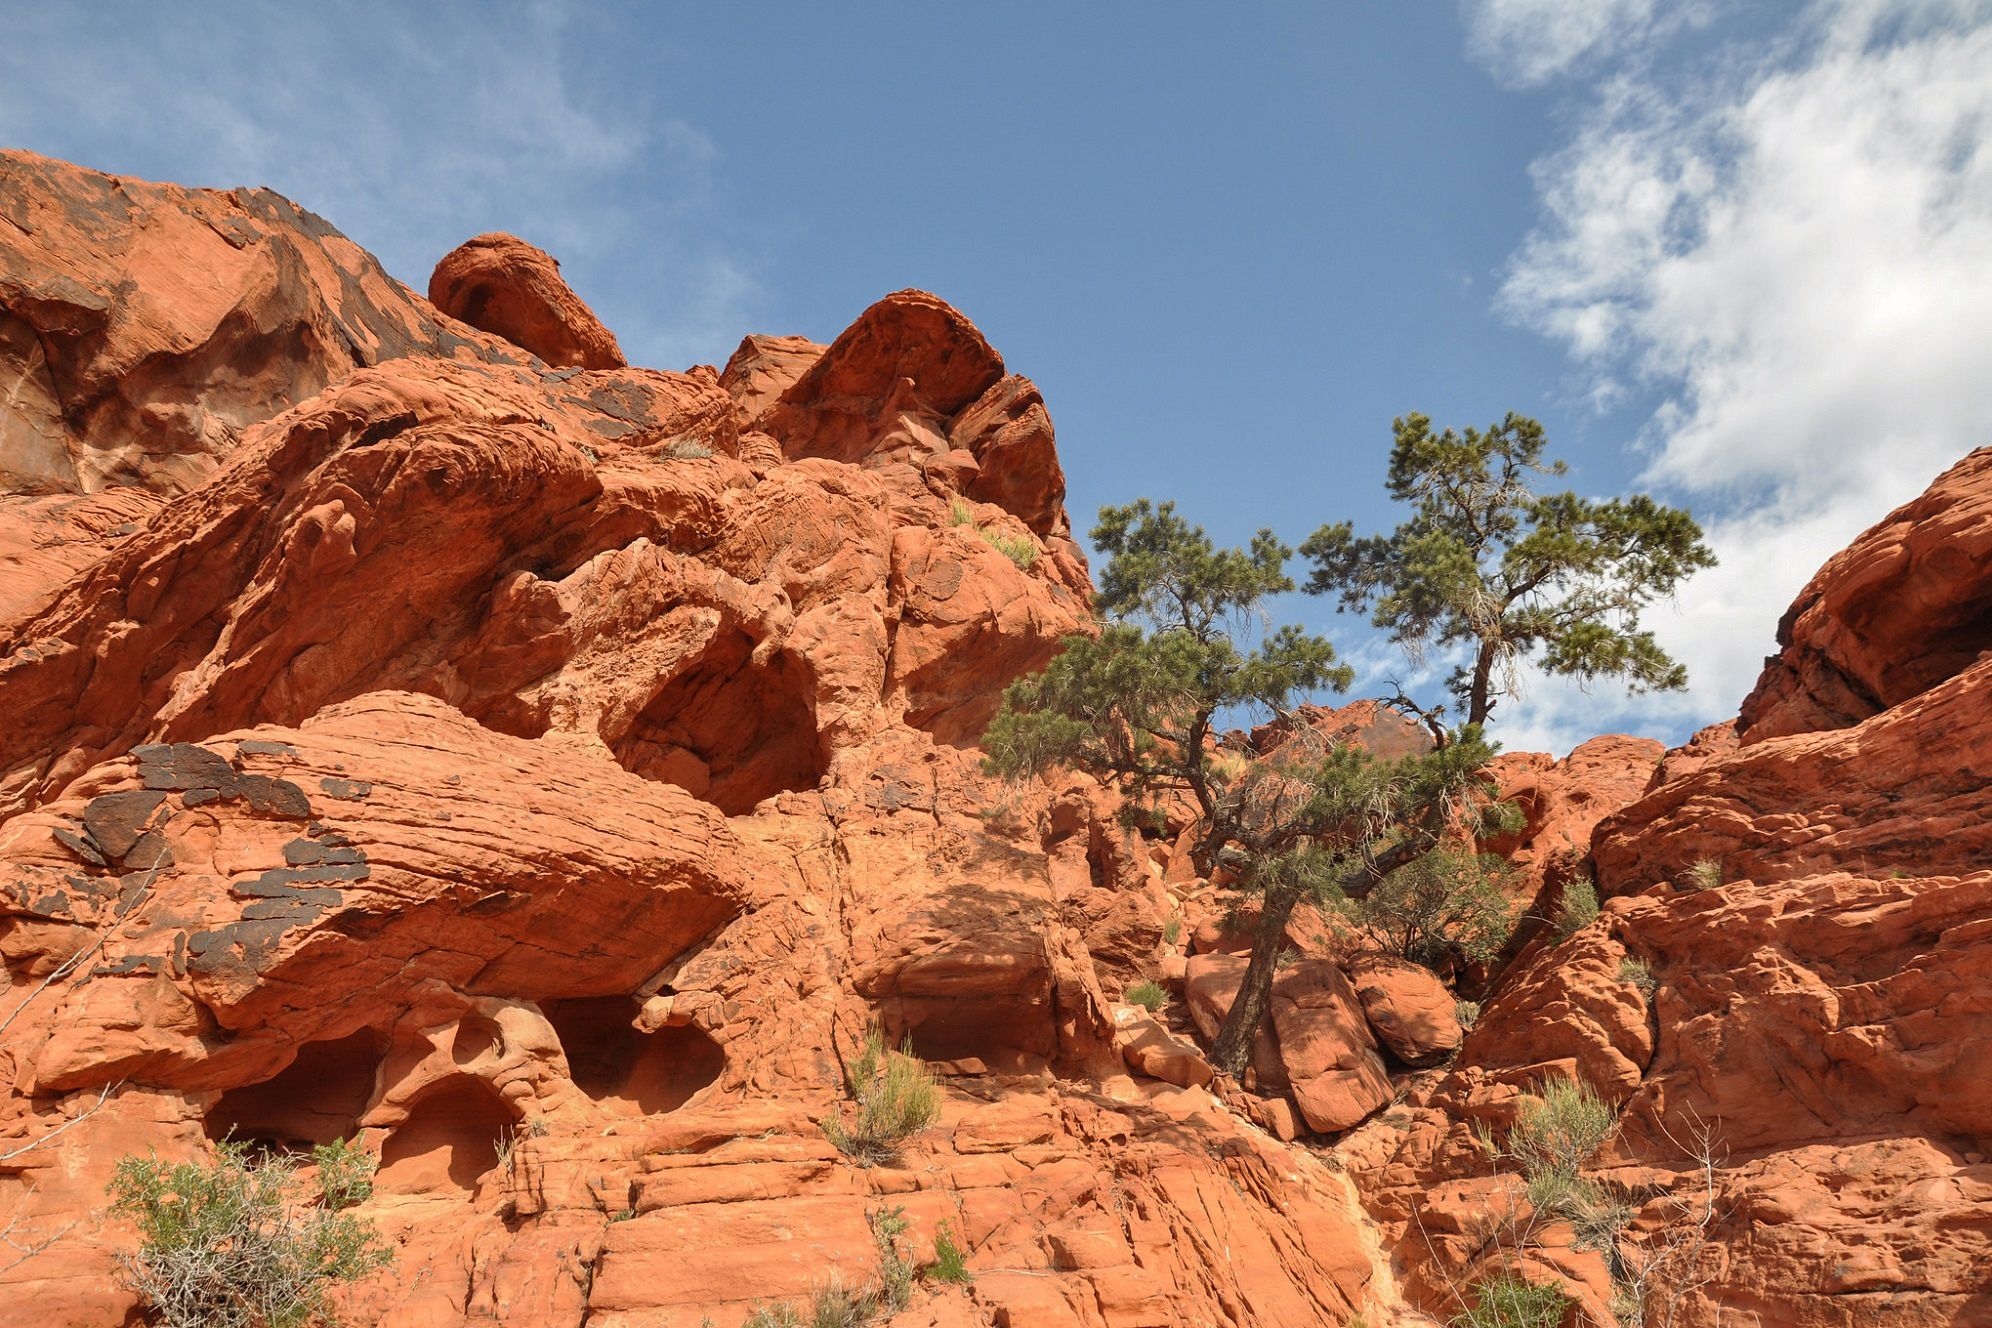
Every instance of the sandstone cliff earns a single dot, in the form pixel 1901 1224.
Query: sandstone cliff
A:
pixel 425 728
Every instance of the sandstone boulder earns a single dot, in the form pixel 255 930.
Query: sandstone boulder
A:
pixel 1408 1008
pixel 1900 610
pixel 504 286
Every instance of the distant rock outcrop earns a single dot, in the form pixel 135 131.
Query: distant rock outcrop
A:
pixel 512 290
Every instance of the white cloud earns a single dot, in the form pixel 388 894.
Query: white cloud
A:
pixel 410 128
pixel 1527 42
pixel 1797 253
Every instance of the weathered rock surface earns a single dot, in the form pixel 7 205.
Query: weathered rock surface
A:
pixel 144 327
pixel 511 289
pixel 1821 984
pixel 1562 801
pixel 421 741
pixel 477 749
pixel 1903 608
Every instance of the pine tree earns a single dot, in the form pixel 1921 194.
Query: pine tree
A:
pixel 1138 705
pixel 1488 564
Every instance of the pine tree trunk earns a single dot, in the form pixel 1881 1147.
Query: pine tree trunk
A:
pixel 1478 700
pixel 1233 1049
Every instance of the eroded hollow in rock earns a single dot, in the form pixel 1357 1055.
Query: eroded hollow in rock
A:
pixel 315 1099
pixel 450 1139
pixel 476 1037
pixel 728 730
pixel 1010 1032
pixel 625 1069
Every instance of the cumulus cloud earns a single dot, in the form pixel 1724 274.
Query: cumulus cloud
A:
pixel 1524 43
pixel 1793 248
pixel 410 128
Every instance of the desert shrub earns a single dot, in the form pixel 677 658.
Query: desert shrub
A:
pixel 1705 874
pixel 684 449
pixel 772 1316
pixel 1509 1301
pixel 895 1270
pixel 1639 973
pixel 1172 931
pixel 233 1242
pixel 1579 907
pixel 894 1097
pixel 1148 995
pixel 1443 902
pixel 1558 1128
pixel 345 1174
pixel 1467 1012
pixel 838 1306
pixel 950 1260
pixel 1019 549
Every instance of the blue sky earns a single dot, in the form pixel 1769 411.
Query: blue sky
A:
pixel 1739 254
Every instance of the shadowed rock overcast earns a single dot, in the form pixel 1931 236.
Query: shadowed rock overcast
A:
pixel 1735 253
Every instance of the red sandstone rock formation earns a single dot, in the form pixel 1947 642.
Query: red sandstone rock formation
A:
pixel 1903 608
pixel 144 327
pixel 475 748
pixel 1821 998
pixel 512 290
pixel 482 747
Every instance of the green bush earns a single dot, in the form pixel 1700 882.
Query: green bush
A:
pixel 1019 549
pixel 1579 907
pixel 233 1242
pixel 1639 973
pixel 1705 874
pixel 1509 1301
pixel 895 1098
pixel 1467 1012
pixel 1444 901
pixel 345 1174
pixel 895 1270
pixel 1148 995
pixel 1172 931
pixel 1558 1128
pixel 950 1260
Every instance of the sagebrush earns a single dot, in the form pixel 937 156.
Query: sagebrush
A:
pixel 1704 874
pixel 1579 907
pixel 238 1241
pixel 1514 1302
pixel 1639 973
pixel 894 1098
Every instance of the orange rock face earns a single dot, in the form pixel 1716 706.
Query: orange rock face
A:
pixel 542 772
pixel 1903 608
pixel 1810 912
pixel 145 327
pixel 512 290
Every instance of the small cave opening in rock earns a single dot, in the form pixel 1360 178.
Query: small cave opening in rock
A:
pixel 625 1069
pixel 729 730
pixel 1949 651
pixel 316 1099
pixel 476 1037
pixel 450 1138
pixel 1009 1034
